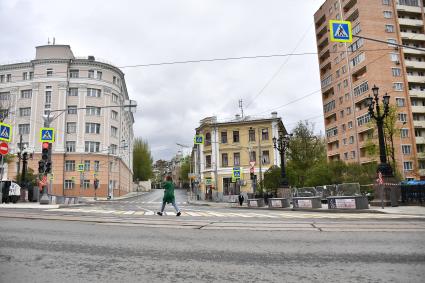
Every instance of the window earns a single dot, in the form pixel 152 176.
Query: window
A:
pixel 24 112
pixel 350 125
pixel 356 29
pixel 92 128
pixel 404 133
pixel 396 72
pixel 251 135
pixel 1 78
pixel 385 2
pixel 345 155
pixel 114 115
pixel 360 89
pixel 236 159
pixel 73 91
pixel 208 161
pixel 329 106
pixel 265 158
pixel 224 160
pixel 229 187
pixel 114 149
pixel 353 154
pixel 8 78
pixel 235 136
pixel 96 165
pixel 389 28
pixel 407 165
pixel 99 75
pixel 344 69
pixel 208 139
pixel 351 140
pixel 93 92
pixel 24 129
pixel 398 86
pixel 72 109
pixel 265 134
pixel 400 102
pixel 49 72
pixel 86 184
pixel 86 165
pixel 348 110
pixel 24 76
pixel 223 137
pixel 26 94
pixel 252 156
pixel 31 75
pixel 341 113
pixel 92 111
pixel 408 2
pixel 402 117
pixel 114 80
pixel 69 165
pixel 394 57
pixel 114 97
pixel 345 83
pixel 406 149
pixel 74 73
pixel 114 131
pixel 48 97
pixel 4 96
pixel 91 146
pixel 69 184
pixel 70 146
pixel 388 14
pixel 391 41
pixel 91 74
pixel 356 45
pixel 71 127
pixel 357 60
pixel 332 132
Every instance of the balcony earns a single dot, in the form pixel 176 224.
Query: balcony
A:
pixel 421 172
pixel 410 22
pixel 416 79
pixel 417 93
pixel 418 109
pixel 414 64
pixel 413 51
pixel 420 140
pixel 421 155
pixel 411 9
pixel 333 152
pixel 412 36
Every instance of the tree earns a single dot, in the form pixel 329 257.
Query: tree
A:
pixel 142 160
pixel 272 178
pixel 185 170
pixel 305 151
pixel 390 129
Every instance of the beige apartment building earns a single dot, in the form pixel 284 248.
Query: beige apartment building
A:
pixel 100 136
pixel 348 72
pixel 234 143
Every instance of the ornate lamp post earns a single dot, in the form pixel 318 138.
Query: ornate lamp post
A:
pixel 379 117
pixel 281 144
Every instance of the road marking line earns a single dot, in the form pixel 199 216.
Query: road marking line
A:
pixel 129 212
pixel 149 212
pixel 139 213
pixel 191 213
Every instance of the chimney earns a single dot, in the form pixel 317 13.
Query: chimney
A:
pixel 274 114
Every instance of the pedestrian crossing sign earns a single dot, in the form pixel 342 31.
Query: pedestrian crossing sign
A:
pixel 340 31
pixel 199 139
pixel 5 132
pixel 47 135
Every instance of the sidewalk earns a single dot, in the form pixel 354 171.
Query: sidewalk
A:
pixel 129 195
pixel 405 210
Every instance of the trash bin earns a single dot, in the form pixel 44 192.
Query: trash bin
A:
pixel 5 186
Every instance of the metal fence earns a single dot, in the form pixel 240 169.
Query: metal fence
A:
pixel 413 194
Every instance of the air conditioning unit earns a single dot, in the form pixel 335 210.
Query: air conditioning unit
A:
pixel 397 62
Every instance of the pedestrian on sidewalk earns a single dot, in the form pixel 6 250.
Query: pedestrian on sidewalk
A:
pixel 241 199
pixel 169 196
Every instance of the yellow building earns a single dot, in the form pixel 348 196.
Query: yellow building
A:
pixel 238 144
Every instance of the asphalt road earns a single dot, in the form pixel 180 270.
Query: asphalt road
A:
pixel 73 251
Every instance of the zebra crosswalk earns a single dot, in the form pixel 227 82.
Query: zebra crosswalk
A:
pixel 237 214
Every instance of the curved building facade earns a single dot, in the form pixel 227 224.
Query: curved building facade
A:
pixel 85 99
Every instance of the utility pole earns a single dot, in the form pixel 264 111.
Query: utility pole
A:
pixel 241 106
pixel 260 155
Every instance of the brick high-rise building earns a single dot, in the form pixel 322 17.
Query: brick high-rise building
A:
pixel 348 72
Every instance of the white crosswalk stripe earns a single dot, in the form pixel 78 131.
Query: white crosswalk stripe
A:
pixel 225 214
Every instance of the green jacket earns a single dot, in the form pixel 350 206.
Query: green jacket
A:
pixel 169 192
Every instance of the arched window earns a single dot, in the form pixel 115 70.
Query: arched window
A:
pixel 207 139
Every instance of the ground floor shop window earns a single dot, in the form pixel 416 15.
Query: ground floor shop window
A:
pixel 230 188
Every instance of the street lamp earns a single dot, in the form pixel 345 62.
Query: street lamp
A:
pixel 282 144
pixel 379 117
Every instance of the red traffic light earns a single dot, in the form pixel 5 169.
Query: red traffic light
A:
pixel 45 145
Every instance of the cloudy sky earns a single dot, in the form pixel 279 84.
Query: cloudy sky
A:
pixel 173 98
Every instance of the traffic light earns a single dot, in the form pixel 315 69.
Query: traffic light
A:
pixel 45 151
pixel 41 166
pixel 96 184
pixel 48 167
pixel 252 176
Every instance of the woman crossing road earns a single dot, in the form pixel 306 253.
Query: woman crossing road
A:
pixel 169 196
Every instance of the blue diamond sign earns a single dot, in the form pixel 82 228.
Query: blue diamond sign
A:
pixel 340 31
pixel 5 132
pixel 199 139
